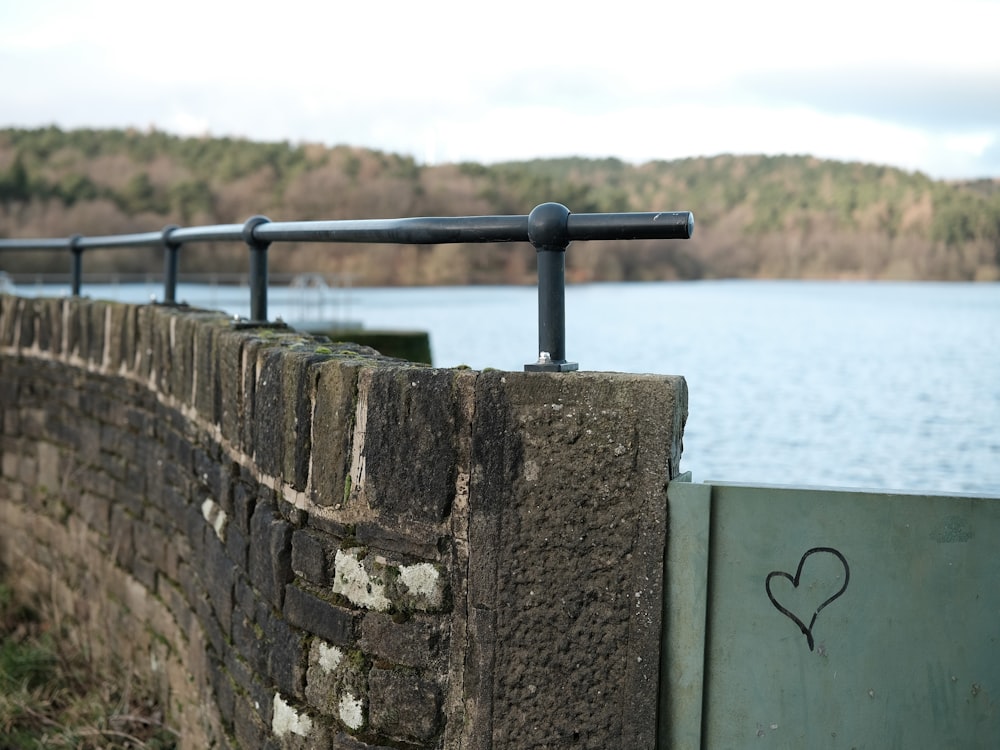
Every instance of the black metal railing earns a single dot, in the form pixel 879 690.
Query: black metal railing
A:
pixel 550 228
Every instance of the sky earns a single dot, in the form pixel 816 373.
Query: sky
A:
pixel 905 83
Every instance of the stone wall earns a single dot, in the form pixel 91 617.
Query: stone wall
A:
pixel 307 545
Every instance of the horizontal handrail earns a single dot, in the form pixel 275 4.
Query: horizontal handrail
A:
pixel 476 229
pixel 550 228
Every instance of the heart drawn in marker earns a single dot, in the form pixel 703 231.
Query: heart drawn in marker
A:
pixel 796 579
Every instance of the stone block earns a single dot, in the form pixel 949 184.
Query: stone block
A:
pixel 244 503
pixel 220 574
pixel 151 540
pixel 567 539
pixel 410 539
pixel 119 347
pixel 174 334
pixel 178 551
pixel 253 351
pixel 216 637
pixel 56 325
pixel 178 455
pixel 237 546
pixel 403 705
pixel 97 312
pixel 190 584
pixel 269 437
pixel 50 463
pixel 413 643
pixel 10 419
pixel 294 728
pixel 9 306
pixel 93 480
pixel 410 442
pixel 332 422
pixel 122 546
pixel 270 553
pixel 228 351
pixel 251 728
pixel 177 604
pixel 75 334
pixel 10 464
pixel 318 616
pixel 248 640
pixel 33 422
pixel 25 335
pixel 207 386
pixel 27 468
pixel 311 554
pixel 325 525
pixel 337 683
pixel 286 655
pixel 161 363
pixel 299 382
pixel 172 500
pixel 195 529
pixel 144 355
pixel 241 672
pixel 70 327
pixel 95 511
pixel 116 442
pixel 211 473
pixel 244 595
pixel 43 325
pixel 223 688
pixel 146 573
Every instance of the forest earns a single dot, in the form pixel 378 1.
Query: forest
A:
pixel 756 216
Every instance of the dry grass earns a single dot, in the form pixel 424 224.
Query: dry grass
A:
pixel 53 696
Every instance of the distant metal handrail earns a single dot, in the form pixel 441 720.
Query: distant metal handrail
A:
pixel 550 228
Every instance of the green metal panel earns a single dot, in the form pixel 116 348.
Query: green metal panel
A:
pixel 841 619
pixel 682 657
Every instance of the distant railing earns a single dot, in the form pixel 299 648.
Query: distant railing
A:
pixel 550 228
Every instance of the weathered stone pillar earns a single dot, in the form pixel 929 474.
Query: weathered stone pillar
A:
pixel 567 536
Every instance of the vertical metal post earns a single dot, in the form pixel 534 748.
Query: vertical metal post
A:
pixel 548 232
pixel 258 269
pixel 76 264
pixel 171 251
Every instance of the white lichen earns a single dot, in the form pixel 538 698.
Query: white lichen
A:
pixel 216 517
pixel 287 719
pixel 352 580
pixel 531 471
pixel 351 711
pixel 329 657
pixel 422 580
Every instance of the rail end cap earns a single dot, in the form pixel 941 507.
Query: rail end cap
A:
pixel 248 228
pixel 548 225
pixel 165 235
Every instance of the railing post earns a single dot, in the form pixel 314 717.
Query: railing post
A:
pixel 76 263
pixel 170 262
pixel 258 269
pixel 548 232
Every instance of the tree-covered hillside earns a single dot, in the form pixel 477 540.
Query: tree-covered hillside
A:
pixel 757 216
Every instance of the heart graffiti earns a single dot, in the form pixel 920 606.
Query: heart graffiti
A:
pixel 807 629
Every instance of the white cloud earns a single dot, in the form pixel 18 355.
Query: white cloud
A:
pixel 911 84
pixel 185 123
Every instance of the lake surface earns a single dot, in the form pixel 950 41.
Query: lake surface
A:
pixel 873 385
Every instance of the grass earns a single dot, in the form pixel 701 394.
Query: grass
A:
pixel 53 696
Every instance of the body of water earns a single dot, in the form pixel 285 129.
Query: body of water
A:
pixel 874 385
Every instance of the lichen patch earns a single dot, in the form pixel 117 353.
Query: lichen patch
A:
pixel 287 720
